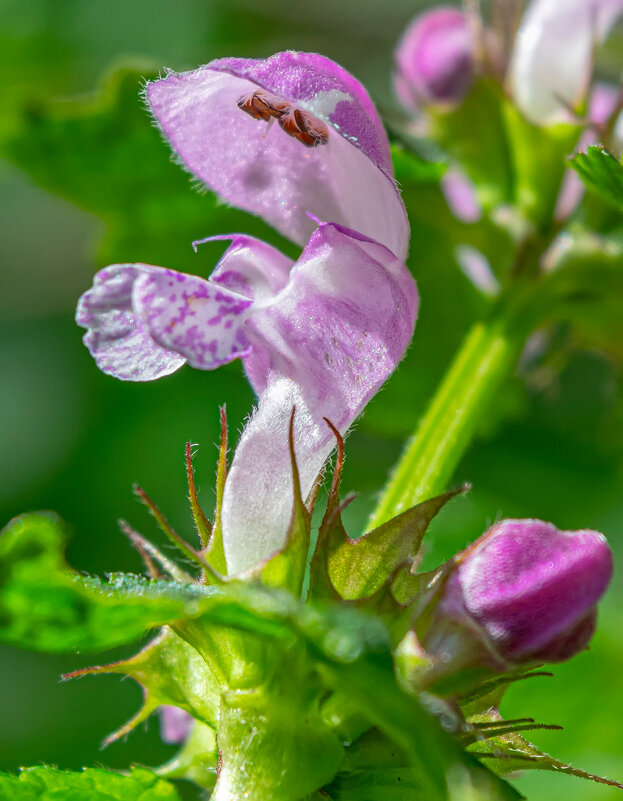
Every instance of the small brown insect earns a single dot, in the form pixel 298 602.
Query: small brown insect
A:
pixel 263 106
pixel 305 127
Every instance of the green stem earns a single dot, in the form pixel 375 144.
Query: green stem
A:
pixel 484 361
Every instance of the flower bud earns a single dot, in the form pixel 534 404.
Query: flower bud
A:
pixel 523 593
pixel 435 58
pixel 175 724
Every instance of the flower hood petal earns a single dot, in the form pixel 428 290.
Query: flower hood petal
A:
pixel 264 161
pixel 553 55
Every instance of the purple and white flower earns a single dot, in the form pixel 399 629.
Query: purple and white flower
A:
pixel 287 138
pixel 550 65
pixel 552 61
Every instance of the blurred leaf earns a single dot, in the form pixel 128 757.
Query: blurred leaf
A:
pixel 91 784
pixel 539 162
pixel 374 769
pixel 601 173
pixel 473 133
pixel 585 283
pixel 45 606
pixel 104 154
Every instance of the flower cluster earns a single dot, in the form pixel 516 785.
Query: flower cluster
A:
pixel 296 140
pixel 546 68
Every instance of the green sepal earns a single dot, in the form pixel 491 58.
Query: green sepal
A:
pixel 489 693
pixel 215 552
pixel 359 568
pixel 171 672
pixel 197 760
pixel 90 784
pixel 539 156
pixel 46 606
pixel 474 134
pixel 287 568
pixel 506 751
pixel 601 173
pixel 331 529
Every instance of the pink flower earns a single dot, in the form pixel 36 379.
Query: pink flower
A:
pixel 524 593
pixel 435 58
pixel 287 138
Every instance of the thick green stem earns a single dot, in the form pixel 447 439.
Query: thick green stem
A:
pixel 484 361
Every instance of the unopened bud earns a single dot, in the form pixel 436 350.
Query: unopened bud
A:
pixel 175 724
pixel 435 58
pixel 523 593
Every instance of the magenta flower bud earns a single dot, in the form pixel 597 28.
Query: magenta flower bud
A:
pixel 525 592
pixel 435 58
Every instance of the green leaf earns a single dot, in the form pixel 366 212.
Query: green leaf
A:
pixel 91 784
pixel 45 606
pixel 374 769
pixel 358 568
pixel 104 154
pixel 601 173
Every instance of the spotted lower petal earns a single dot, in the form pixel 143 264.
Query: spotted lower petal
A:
pixel 117 337
pixel 189 315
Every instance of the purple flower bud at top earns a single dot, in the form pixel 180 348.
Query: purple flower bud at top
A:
pixel 435 58
pixel 524 593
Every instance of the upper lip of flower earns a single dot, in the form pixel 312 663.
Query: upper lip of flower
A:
pixel 348 180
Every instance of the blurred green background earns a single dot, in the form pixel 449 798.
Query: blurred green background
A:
pixel 74 440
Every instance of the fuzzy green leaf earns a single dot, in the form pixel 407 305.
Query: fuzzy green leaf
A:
pixel 358 568
pixel 601 173
pixel 46 606
pixel 91 784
